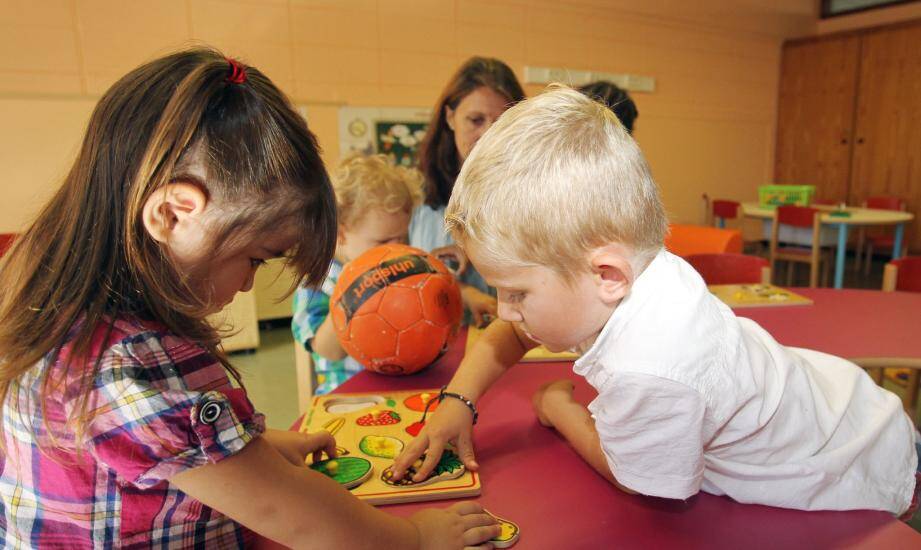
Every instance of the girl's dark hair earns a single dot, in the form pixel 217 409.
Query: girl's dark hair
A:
pixel 615 99
pixel 87 259
pixel 438 153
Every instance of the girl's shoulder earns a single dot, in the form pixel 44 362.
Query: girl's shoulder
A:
pixel 132 351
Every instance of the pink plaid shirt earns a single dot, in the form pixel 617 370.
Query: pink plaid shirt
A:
pixel 159 405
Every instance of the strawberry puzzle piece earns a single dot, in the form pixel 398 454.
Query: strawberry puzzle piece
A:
pixel 378 418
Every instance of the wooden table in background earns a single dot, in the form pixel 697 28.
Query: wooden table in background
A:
pixel 859 216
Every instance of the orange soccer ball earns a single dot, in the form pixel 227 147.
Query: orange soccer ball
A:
pixel 395 309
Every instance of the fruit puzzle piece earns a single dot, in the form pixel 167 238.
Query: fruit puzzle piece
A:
pixel 448 467
pixel 349 471
pixel 414 428
pixel 380 446
pixel 418 401
pixel 509 534
pixel 378 418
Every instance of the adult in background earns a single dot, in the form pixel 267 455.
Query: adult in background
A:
pixel 481 90
pixel 616 99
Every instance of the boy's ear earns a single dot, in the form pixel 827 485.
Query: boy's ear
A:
pixel 449 117
pixel 614 274
pixel 174 210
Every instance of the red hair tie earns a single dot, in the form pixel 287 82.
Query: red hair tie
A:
pixel 237 72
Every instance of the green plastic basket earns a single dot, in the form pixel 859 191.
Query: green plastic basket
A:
pixel 770 196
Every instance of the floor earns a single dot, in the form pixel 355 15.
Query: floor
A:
pixel 269 373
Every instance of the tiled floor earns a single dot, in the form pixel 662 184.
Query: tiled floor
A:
pixel 269 376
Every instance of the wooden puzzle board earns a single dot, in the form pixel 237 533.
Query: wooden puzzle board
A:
pixel 757 296
pixel 537 354
pixel 340 413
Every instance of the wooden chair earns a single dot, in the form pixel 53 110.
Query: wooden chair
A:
pixel 903 275
pixel 685 240
pixel 804 217
pixel 6 240
pixel 731 269
pixel 866 243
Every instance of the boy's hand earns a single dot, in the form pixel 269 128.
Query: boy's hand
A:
pixel 452 254
pixel 296 446
pixel 482 306
pixel 451 421
pixel 462 525
pixel 547 399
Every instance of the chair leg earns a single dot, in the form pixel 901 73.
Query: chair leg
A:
pixel 858 251
pixel 814 274
pixel 868 258
pixel 826 268
pixel 876 373
pixel 790 272
pixel 911 392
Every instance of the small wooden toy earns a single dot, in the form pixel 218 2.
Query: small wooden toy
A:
pixel 509 534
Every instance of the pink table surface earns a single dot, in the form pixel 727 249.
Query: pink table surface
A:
pixel 847 323
pixel 533 478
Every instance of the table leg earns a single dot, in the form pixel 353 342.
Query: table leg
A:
pixel 897 241
pixel 839 259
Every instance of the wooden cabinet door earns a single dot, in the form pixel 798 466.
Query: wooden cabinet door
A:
pixel 887 149
pixel 818 83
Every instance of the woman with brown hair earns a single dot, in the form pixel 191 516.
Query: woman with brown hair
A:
pixel 481 90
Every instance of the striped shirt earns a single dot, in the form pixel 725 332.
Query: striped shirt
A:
pixel 158 405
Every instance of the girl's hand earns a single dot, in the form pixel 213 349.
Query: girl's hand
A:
pixel 481 305
pixel 464 525
pixel 548 397
pixel 296 446
pixel 452 421
pixel 452 252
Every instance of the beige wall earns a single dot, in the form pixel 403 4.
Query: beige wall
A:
pixel 709 126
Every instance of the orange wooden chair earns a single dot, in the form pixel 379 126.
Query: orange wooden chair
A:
pixel 685 240
pixel 6 240
pixel 803 217
pixel 904 275
pixel 884 241
pixel 731 269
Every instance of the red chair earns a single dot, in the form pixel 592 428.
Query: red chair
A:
pixel 725 210
pixel 804 217
pixel 885 241
pixel 903 274
pixel 6 240
pixel 731 269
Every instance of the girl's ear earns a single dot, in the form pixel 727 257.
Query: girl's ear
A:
pixel 173 212
pixel 614 273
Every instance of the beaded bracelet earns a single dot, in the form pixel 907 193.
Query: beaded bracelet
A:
pixel 464 400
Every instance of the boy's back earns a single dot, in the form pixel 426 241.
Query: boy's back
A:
pixel 692 397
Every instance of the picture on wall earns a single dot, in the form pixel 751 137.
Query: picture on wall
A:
pixel 393 131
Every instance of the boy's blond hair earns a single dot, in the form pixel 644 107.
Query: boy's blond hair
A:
pixel 555 177
pixel 362 183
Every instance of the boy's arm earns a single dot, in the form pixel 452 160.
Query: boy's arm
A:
pixel 556 408
pixel 326 343
pixel 499 347
pixel 301 508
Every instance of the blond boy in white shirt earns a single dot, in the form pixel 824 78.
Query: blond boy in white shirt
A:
pixel 556 208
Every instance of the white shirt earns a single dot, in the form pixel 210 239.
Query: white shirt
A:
pixel 691 397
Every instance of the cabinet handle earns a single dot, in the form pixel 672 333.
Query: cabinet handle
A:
pixel 843 141
pixel 859 140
